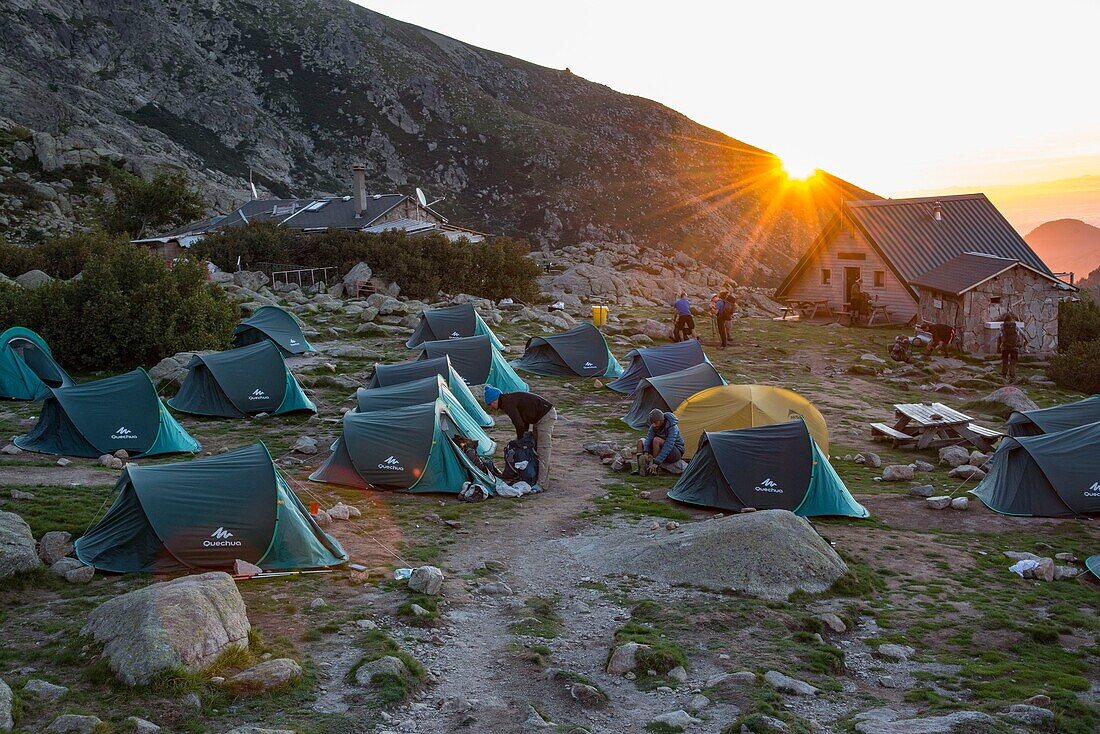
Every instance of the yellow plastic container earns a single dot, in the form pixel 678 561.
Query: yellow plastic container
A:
pixel 599 315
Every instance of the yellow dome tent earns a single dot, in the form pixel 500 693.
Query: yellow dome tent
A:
pixel 726 407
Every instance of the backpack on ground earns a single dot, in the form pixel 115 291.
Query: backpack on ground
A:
pixel 484 463
pixel 521 462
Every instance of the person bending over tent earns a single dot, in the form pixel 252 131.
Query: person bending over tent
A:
pixel 529 412
pixel 663 442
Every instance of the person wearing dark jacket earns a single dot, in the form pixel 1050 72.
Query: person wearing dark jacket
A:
pixel 1008 342
pixel 663 441
pixel 528 412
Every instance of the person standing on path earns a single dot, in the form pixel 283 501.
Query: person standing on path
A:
pixel 724 308
pixel 529 412
pixel 1009 345
pixel 685 324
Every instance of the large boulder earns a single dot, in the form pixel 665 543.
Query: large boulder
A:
pixel 54 545
pixel 184 623
pixel 174 368
pixel 32 279
pixel 6 699
pixel 251 280
pixel 888 721
pixel 361 273
pixel 1011 397
pixel 18 551
pixel 265 676
pixel 386 665
pixel 768 554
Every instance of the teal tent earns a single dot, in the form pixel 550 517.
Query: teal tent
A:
pixel 666 392
pixel 205 514
pixel 272 322
pixel 240 382
pixel 1092 563
pixel 409 449
pixel 656 361
pixel 101 417
pixel 1054 419
pixel 451 322
pixel 581 351
pixel 396 374
pixel 772 467
pixel 27 366
pixel 418 392
pixel 478 361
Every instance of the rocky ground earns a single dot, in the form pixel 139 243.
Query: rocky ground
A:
pixel 567 610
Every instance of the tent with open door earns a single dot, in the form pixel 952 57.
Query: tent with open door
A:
pixel 657 361
pixel 581 351
pixel 775 467
pixel 418 392
pixel 410 449
pixel 275 324
pixel 1051 475
pixel 27 366
pixel 728 407
pixel 101 417
pixel 477 361
pixel 451 322
pixel 386 375
pixel 1054 419
pixel 205 514
pixel 1092 563
pixel 240 382
pixel 667 392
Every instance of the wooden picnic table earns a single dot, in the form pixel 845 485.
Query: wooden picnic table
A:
pixel 932 425
pixel 806 308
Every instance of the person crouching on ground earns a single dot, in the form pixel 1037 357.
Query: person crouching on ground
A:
pixel 529 412
pixel 685 324
pixel 942 336
pixel 663 442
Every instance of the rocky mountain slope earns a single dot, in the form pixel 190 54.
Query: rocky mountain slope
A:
pixel 297 90
pixel 1067 245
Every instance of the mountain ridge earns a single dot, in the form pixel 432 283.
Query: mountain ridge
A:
pixel 1067 245
pixel 297 90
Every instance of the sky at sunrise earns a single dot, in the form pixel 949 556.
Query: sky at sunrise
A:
pixel 899 98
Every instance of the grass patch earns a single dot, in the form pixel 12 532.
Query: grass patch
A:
pixel 429 604
pixel 388 688
pixel 625 500
pixel 541 618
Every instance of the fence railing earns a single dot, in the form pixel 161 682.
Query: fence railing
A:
pixel 287 273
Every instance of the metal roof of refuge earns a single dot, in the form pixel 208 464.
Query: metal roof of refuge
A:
pixel 964 272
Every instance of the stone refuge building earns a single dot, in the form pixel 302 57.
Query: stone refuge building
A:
pixel 360 211
pixel 973 291
pixel 889 244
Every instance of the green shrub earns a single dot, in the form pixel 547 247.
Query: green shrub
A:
pixel 1078 321
pixel 1078 367
pixel 59 257
pixel 127 309
pixel 422 266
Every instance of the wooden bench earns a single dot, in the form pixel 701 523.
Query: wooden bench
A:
pixel 985 432
pixel 877 310
pixel 882 431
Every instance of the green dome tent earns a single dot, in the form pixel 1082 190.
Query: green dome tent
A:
pixel 1052 475
pixel 581 351
pixel 657 361
pixel 667 392
pixel 417 369
pixel 205 514
pixel 418 392
pixel 477 361
pixel 451 322
pixel 1054 419
pixel 404 449
pixel 240 382
pixel 774 467
pixel 27 366
pixel 272 322
pixel 101 417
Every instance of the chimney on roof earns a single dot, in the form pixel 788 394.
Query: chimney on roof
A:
pixel 359 176
pixel 937 211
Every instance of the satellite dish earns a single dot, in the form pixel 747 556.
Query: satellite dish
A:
pixel 420 197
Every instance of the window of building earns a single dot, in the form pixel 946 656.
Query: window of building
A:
pixel 826 276
pixel 880 279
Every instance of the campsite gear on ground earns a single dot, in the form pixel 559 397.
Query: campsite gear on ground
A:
pixel 516 489
pixel 1008 343
pixel 402 574
pixel 556 306
pixel 581 351
pixel 521 460
pixel 484 463
pixel 667 392
pixel 276 324
pixel 477 360
pixel 933 425
pixel 27 366
pixel 473 492
pixel 240 382
pixel 1051 475
pixel 743 406
pixel 101 417
pixel 901 350
pixel 418 392
pixel 386 375
pixel 1054 419
pixel 451 322
pixel 656 361
pixel 599 316
pixel 205 514
pixel 403 449
pixel 776 466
